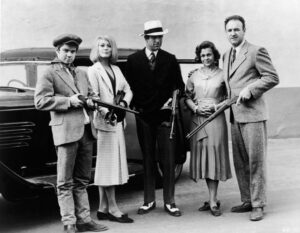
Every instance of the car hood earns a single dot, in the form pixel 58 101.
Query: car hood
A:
pixel 16 97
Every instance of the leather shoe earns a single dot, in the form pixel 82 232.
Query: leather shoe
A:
pixel 245 207
pixel 91 226
pixel 102 216
pixel 146 207
pixel 215 211
pixel 172 210
pixel 70 228
pixel 123 219
pixel 206 206
pixel 257 214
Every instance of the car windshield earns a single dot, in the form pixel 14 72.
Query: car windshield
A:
pixel 21 74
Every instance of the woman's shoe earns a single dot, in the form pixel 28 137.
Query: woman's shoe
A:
pixel 123 219
pixel 206 206
pixel 102 216
pixel 215 211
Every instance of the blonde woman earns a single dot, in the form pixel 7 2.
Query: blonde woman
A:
pixel 111 165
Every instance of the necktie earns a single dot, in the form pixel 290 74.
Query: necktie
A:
pixel 233 54
pixel 71 69
pixel 152 61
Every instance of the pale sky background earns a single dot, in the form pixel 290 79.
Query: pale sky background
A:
pixel 270 23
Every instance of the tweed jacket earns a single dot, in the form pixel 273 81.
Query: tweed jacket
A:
pixel 151 89
pixel 252 68
pixel 53 92
pixel 102 87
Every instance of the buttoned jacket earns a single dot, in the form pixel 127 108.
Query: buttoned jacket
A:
pixel 53 92
pixel 253 69
pixel 151 89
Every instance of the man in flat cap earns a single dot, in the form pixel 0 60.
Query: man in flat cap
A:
pixel 57 91
pixel 153 74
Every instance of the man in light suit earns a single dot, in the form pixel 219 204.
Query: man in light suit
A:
pixel 153 74
pixel 57 91
pixel 249 73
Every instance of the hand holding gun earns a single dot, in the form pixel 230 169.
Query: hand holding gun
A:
pixel 213 116
pixel 97 101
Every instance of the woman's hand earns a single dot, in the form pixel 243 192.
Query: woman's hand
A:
pixel 205 110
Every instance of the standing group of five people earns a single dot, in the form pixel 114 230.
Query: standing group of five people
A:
pixel 152 75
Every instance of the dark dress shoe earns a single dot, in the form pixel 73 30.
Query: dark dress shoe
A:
pixel 123 219
pixel 215 211
pixel 146 208
pixel 206 206
pixel 91 226
pixel 245 207
pixel 102 216
pixel 70 228
pixel 257 214
pixel 172 210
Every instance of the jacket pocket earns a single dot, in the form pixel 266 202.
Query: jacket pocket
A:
pixel 56 118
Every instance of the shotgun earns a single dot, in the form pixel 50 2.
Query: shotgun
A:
pixel 227 104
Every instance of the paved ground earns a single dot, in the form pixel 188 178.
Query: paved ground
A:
pixel 282 212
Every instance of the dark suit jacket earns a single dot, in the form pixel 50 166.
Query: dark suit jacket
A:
pixel 53 92
pixel 151 89
pixel 252 68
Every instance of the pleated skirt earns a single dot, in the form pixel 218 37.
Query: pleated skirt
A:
pixel 209 151
pixel 111 164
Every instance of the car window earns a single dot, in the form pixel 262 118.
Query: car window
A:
pixel 13 75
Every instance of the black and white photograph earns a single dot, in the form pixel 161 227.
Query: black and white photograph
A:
pixel 169 116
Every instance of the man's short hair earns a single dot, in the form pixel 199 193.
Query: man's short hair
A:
pixel 235 17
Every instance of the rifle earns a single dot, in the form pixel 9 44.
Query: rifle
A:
pixel 105 104
pixel 227 104
pixel 173 112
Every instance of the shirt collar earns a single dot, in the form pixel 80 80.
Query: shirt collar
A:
pixel 148 52
pixel 238 48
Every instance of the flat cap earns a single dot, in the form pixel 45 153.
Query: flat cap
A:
pixel 67 39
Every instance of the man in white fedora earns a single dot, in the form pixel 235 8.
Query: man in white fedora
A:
pixel 153 74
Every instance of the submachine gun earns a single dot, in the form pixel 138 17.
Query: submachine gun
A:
pixel 173 112
pixel 227 104
pixel 113 108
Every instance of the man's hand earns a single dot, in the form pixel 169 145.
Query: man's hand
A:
pixel 75 102
pixel 244 95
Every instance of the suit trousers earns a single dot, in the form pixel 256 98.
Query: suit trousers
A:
pixel 74 163
pixel 249 143
pixel 155 137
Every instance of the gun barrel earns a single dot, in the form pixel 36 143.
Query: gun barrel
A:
pixel 107 105
pixel 211 117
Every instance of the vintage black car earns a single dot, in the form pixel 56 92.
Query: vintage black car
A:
pixel 27 153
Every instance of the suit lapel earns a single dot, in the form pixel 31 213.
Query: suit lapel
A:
pixel 116 72
pixel 65 76
pixel 240 58
pixel 104 77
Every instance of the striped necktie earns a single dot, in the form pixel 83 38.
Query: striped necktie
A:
pixel 152 61
pixel 233 55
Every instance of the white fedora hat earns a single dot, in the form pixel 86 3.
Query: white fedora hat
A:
pixel 153 28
